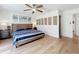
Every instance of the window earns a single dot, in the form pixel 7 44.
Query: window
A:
pixel 45 19
pixel 17 18
pixel 54 20
pixel 29 19
pixel 22 19
pixel 42 21
pixel 49 20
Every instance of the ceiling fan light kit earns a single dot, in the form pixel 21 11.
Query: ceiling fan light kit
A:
pixel 33 10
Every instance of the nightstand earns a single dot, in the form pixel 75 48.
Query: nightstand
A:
pixel 4 34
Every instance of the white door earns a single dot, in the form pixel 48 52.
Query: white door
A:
pixel 77 25
pixel 74 25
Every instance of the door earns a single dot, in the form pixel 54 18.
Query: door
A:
pixel 77 25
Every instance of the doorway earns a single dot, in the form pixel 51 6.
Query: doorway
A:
pixel 75 24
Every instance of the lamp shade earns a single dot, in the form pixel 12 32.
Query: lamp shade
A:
pixel 3 24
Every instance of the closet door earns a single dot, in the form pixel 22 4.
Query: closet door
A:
pixel 55 20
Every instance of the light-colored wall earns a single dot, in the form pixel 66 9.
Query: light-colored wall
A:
pixel 6 17
pixel 52 30
pixel 66 23
pixel 67 18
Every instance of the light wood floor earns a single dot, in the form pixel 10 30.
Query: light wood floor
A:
pixel 46 45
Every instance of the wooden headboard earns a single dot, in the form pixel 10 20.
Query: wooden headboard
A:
pixel 20 26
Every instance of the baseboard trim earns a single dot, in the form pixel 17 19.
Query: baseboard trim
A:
pixel 66 37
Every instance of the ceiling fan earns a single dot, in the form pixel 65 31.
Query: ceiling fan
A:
pixel 34 8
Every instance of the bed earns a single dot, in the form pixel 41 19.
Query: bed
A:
pixel 23 35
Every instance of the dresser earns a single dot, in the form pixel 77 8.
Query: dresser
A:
pixel 4 34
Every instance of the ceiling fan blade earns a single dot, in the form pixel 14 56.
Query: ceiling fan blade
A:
pixel 27 9
pixel 28 5
pixel 39 6
pixel 33 12
pixel 40 10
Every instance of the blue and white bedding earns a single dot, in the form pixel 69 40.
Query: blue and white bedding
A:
pixel 24 34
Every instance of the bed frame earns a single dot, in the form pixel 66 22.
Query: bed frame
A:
pixel 25 41
pixel 25 26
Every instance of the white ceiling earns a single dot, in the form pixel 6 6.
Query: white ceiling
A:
pixel 46 8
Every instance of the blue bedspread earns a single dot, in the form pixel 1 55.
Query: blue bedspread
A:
pixel 24 34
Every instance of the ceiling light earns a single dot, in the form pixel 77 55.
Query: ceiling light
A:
pixel 33 9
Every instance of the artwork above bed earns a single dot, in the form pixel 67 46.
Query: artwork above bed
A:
pixel 21 26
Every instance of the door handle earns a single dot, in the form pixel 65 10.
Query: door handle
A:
pixel 73 22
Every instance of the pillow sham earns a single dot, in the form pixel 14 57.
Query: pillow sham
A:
pixel 20 29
